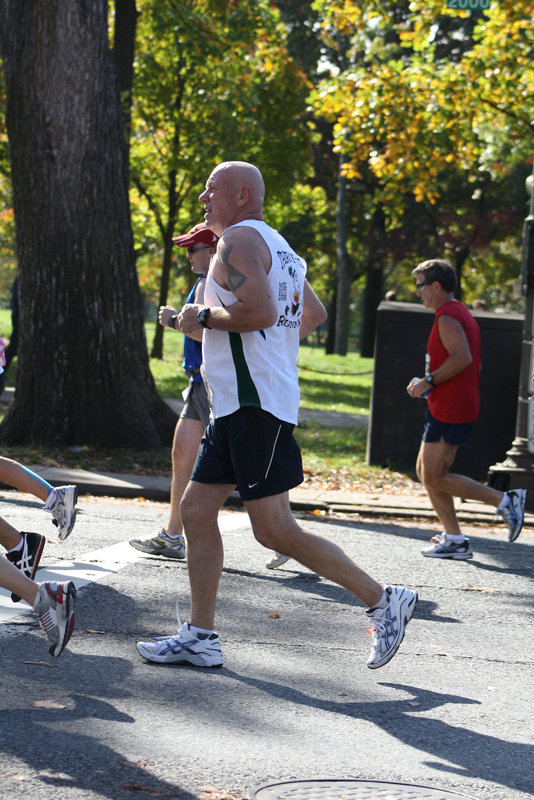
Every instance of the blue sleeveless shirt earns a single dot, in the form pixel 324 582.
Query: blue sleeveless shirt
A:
pixel 192 348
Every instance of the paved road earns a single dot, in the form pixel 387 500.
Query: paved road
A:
pixel 294 698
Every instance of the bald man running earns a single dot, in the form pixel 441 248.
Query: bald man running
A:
pixel 257 306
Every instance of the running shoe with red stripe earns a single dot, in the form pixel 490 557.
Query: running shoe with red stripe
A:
pixel 55 607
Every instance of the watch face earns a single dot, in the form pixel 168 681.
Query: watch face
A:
pixel 202 317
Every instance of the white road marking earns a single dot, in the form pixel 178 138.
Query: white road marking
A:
pixel 96 565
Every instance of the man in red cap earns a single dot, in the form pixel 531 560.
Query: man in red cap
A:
pixel 169 542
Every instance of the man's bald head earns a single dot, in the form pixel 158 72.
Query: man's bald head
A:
pixel 234 192
pixel 241 173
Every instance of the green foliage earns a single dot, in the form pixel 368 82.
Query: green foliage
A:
pixel 307 220
pixel 213 82
pixel 456 80
pixel 433 108
pixel 432 105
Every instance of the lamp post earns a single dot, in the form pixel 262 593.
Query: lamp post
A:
pixel 517 470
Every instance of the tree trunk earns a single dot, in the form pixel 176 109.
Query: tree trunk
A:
pixel 460 257
pixel 83 375
pixel 331 326
pixel 344 266
pixel 166 235
pixel 123 53
pixel 157 342
pixel 371 300
pixel 373 285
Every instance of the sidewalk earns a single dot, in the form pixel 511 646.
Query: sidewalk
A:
pixel 305 499
pixel 310 500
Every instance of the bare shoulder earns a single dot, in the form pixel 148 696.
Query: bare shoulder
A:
pixel 243 239
pixel 242 253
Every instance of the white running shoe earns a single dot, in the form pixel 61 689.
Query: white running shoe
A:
pixel 61 502
pixel 388 624
pixel 183 648
pixel 512 510
pixel 55 607
pixel 444 548
pixel 277 560
pixel 161 545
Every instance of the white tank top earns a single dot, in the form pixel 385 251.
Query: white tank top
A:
pixel 258 368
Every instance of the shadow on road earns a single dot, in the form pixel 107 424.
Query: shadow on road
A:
pixel 469 754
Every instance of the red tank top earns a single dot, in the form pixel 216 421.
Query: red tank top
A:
pixel 456 400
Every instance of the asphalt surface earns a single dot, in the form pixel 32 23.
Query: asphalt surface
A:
pixel 294 699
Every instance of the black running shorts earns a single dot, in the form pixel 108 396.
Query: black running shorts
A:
pixel 450 432
pixel 252 450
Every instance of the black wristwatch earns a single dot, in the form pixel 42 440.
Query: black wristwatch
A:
pixel 430 379
pixel 172 320
pixel 202 318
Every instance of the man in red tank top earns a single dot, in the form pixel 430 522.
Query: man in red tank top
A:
pixel 450 386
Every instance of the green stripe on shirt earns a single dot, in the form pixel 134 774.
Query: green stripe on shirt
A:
pixel 246 390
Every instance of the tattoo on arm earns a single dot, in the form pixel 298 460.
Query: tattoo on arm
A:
pixel 234 278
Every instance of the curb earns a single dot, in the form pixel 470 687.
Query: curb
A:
pixel 157 488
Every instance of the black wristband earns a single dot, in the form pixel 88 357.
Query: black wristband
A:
pixel 172 320
pixel 202 318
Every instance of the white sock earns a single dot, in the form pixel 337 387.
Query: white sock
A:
pixel 456 538
pixel 18 547
pixel 504 502
pixel 382 603
pixel 199 631
pixel 35 606
pixel 51 499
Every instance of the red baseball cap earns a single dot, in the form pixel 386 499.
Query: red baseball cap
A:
pixel 197 235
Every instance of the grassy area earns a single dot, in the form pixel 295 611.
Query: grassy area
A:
pixel 332 457
pixel 335 383
pixel 167 371
pixel 329 383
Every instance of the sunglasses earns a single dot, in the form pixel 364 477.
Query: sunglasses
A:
pixel 191 250
pixel 420 286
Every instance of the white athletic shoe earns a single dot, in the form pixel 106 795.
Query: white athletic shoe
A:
pixel 444 548
pixel 55 606
pixel 183 648
pixel 388 624
pixel 512 510
pixel 276 561
pixel 61 502
pixel 161 545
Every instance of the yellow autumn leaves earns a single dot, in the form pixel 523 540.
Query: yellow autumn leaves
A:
pixel 426 91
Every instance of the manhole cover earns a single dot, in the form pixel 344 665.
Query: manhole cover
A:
pixel 338 789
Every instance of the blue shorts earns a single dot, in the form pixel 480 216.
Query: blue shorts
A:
pixel 250 449
pixel 450 432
